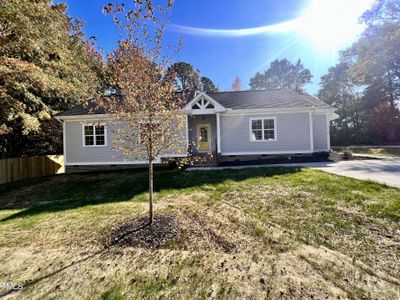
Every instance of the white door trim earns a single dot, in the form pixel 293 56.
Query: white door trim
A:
pixel 209 137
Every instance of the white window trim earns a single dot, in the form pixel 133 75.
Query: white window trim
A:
pixel 94 135
pixel 263 140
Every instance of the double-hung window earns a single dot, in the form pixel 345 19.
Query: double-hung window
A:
pixel 94 135
pixel 262 129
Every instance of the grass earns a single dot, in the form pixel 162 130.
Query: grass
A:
pixel 384 151
pixel 251 233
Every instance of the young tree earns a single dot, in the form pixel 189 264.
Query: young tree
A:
pixel 282 74
pixel 237 84
pixel 148 120
pixel 207 85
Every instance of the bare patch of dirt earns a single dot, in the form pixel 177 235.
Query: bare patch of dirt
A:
pixel 138 233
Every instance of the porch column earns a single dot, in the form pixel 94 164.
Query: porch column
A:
pixel 311 120
pixel 328 133
pixel 218 133
pixel 187 133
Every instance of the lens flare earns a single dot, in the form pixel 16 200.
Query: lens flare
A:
pixel 331 24
pixel 326 23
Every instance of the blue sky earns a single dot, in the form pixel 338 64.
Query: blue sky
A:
pixel 224 38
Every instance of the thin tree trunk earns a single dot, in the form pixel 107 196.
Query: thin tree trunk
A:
pixel 150 192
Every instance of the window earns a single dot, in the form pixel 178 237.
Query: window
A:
pixel 94 135
pixel 204 134
pixel 263 129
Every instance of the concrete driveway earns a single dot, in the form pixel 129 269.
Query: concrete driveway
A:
pixel 385 170
pixel 382 170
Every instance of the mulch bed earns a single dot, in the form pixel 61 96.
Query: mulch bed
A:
pixel 137 232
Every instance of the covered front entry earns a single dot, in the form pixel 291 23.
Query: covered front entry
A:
pixel 202 133
pixel 203 125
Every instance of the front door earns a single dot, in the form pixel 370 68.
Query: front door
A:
pixel 203 138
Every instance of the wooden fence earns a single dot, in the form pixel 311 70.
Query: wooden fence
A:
pixel 12 169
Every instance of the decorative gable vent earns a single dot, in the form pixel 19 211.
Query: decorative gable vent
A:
pixel 202 104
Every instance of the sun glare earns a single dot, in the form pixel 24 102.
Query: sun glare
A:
pixel 325 24
pixel 332 23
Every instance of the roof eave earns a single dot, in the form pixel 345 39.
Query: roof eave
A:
pixel 280 109
pixel 81 117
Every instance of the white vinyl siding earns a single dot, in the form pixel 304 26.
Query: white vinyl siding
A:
pixel 292 134
pixel 320 131
pixel 77 153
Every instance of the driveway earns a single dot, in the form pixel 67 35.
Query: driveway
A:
pixel 383 170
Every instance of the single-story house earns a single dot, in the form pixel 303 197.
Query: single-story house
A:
pixel 231 125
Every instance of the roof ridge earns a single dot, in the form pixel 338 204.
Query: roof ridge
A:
pixel 244 91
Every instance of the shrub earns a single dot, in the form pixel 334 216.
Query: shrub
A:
pixel 347 154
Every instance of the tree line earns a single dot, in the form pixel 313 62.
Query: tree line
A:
pixel 47 66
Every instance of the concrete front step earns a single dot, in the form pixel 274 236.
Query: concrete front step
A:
pixel 204 160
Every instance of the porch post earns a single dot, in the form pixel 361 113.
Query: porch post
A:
pixel 311 120
pixel 187 133
pixel 218 133
pixel 328 133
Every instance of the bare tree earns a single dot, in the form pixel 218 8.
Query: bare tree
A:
pixel 237 84
pixel 147 116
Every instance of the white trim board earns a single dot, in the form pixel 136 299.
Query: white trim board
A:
pixel 64 144
pixel 235 112
pixel 84 117
pixel 134 162
pixel 218 133
pixel 311 125
pixel 173 155
pixel 328 133
pixel 102 163
pixel 269 152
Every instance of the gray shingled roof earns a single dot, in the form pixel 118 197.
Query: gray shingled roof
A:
pixel 252 99
pixel 91 107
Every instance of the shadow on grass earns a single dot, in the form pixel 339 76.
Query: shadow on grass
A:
pixel 33 282
pixel 58 193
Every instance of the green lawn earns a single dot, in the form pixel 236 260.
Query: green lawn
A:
pixel 251 233
pixel 385 151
